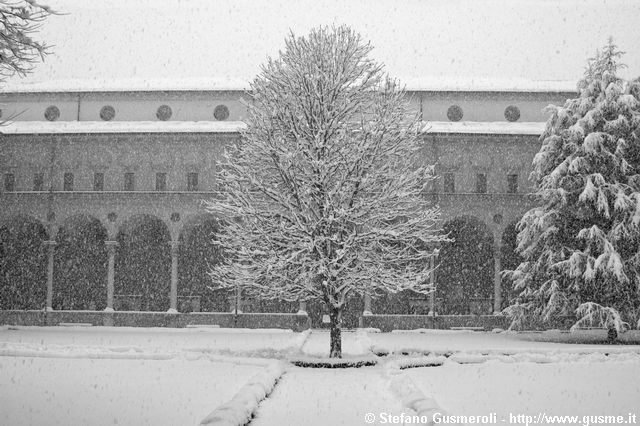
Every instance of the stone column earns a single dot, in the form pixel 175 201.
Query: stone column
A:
pixel 497 279
pixel 111 260
pixel 432 279
pixel 173 295
pixel 367 304
pixel 51 245
pixel 302 309
pixel 235 301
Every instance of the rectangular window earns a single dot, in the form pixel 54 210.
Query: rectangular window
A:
pixel 98 181
pixel 38 182
pixel 9 182
pixel 449 183
pixel 161 181
pixel 512 184
pixel 192 181
pixel 481 183
pixel 67 184
pixel 129 181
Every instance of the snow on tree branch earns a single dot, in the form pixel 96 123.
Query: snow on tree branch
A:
pixel 19 50
pixel 325 194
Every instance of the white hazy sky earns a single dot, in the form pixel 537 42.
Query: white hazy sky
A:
pixel 418 40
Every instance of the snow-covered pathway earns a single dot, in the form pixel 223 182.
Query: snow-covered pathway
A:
pixel 320 397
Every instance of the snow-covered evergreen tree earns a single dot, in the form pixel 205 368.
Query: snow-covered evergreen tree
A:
pixel 581 246
pixel 324 195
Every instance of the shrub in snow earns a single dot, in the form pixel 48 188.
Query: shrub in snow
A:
pixel 581 246
pixel 335 362
pixel 239 410
pixel 324 194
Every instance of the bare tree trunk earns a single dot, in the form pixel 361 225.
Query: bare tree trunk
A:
pixel 335 315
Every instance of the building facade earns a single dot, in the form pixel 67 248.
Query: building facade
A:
pixel 120 175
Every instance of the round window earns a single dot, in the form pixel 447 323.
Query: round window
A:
pixel 221 112
pixel 164 112
pixel 512 113
pixel 107 113
pixel 454 113
pixel 52 113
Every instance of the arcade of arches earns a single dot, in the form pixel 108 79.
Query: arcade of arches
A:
pixel 145 269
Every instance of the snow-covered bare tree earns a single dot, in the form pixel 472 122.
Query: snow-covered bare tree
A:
pixel 581 246
pixel 324 195
pixel 19 50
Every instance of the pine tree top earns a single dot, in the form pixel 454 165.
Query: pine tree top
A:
pixel 606 62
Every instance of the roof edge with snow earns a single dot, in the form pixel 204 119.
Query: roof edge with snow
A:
pixel 93 127
pixel 427 84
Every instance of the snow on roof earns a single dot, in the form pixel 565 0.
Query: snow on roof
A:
pixel 425 83
pixel 81 127
pixel 477 127
pixel 84 127
pixel 471 84
pixel 479 45
pixel 124 85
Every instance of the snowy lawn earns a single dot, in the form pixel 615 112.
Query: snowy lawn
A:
pixel 567 385
pixel 274 343
pixel 451 341
pixel 131 376
pixel 101 375
pixel 64 391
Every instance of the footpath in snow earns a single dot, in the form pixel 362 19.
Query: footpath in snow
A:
pixel 320 397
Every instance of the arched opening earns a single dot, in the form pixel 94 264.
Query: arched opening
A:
pixel 510 260
pixel 23 264
pixel 195 257
pixel 465 274
pixel 80 265
pixel 142 265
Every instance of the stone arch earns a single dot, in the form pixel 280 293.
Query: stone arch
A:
pixel 466 268
pixel 23 263
pixel 80 264
pixel 510 259
pixel 196 254
pixel 143 264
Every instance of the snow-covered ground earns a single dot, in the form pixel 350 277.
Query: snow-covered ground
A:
pixel 152 342
pixel 320 397
pixel 450 341
pixel 587 386
pixel 102 375
pixel 81 391
pixel 130 376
